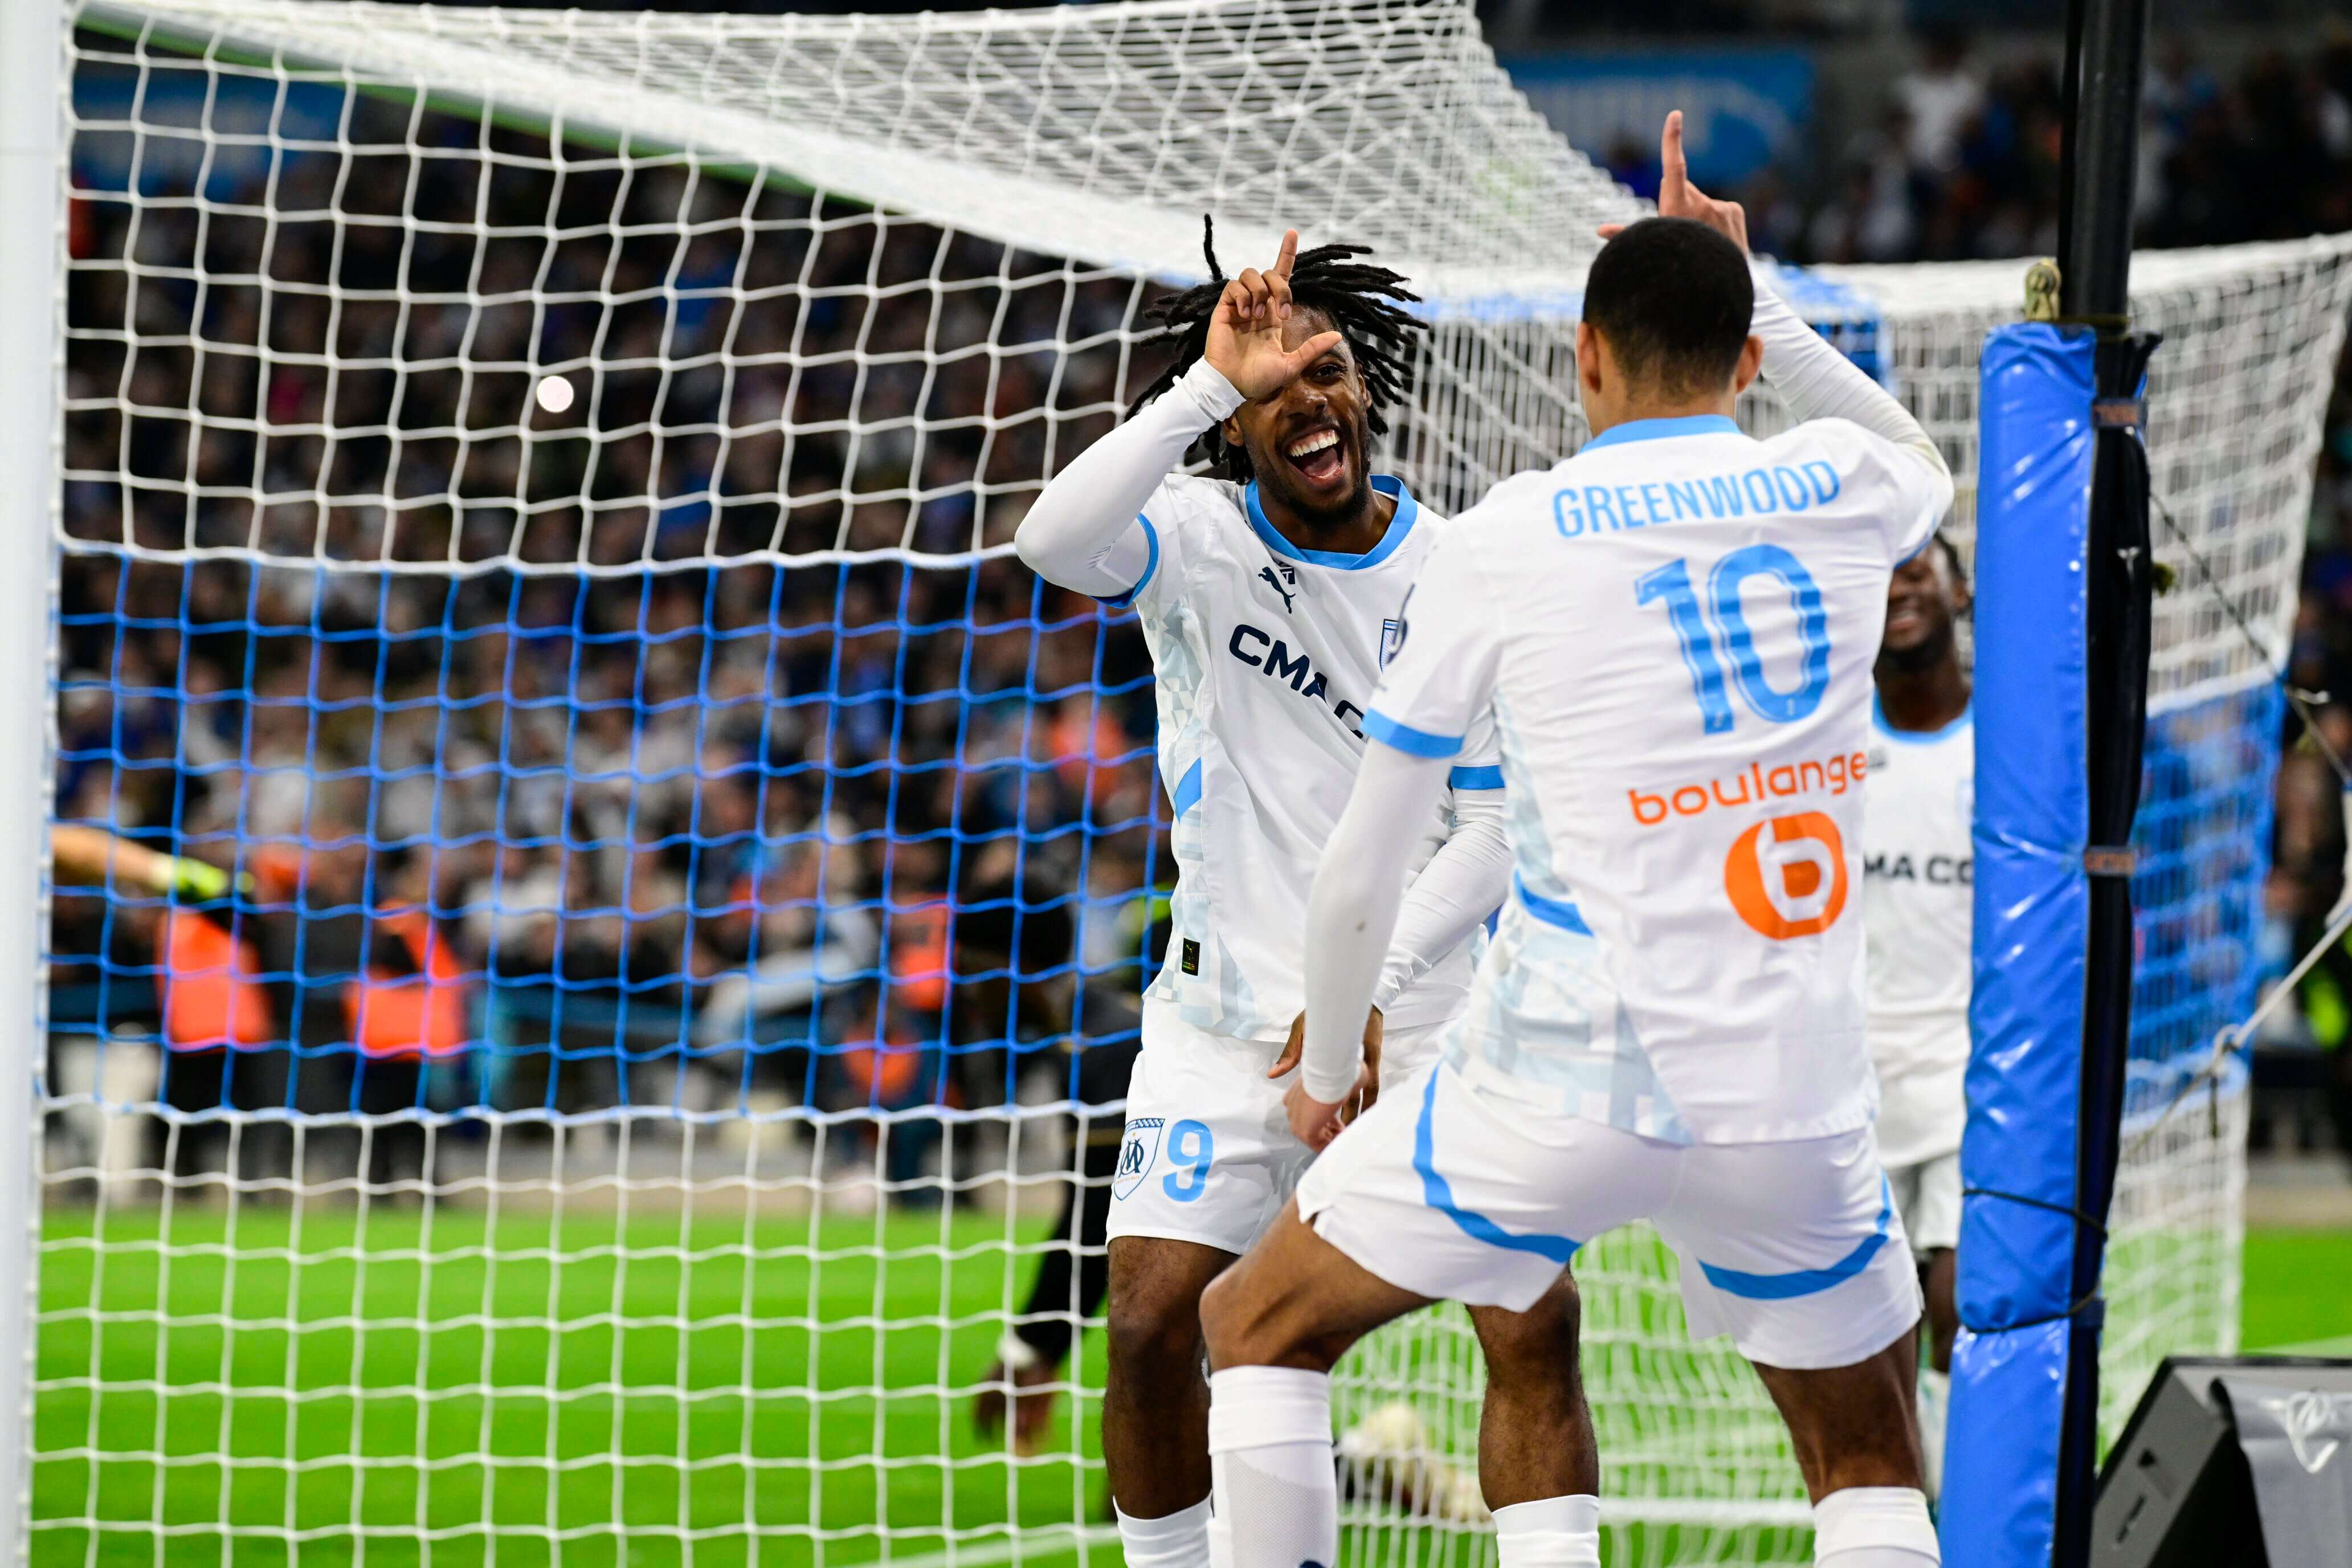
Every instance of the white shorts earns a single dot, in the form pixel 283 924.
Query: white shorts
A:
pixel 1793 1249
pixel 1928 1196
pixel 1209 1157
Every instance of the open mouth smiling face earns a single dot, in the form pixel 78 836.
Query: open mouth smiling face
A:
pixel 1319 458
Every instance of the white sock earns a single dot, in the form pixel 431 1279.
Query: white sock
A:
pixel 1550 1532
pixel 1270 1454
pixel 1179 1539
pixel 1874 1527
pixel 1935 1403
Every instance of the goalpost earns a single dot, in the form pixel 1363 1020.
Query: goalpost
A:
pixel 531 492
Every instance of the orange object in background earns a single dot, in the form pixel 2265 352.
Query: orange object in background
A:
pixel 888 1073
pixel 1082 740
pixel 422 1013
pixel 919 957
pixel 209 987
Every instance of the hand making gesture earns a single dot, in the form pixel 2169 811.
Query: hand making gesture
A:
pixel 1312 1121
pixel 1677 197
pixel 1245 335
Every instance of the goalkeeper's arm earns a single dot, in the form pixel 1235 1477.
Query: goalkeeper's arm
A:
pixel 1083 532
pixel 92 855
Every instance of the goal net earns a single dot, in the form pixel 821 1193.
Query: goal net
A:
pixel 535 509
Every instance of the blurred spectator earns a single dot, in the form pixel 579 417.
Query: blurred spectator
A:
pixel 1941 99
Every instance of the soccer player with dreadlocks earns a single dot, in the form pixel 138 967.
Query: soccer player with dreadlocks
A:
pixel 1271 593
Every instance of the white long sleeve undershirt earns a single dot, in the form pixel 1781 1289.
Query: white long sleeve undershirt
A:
pixel 1464 881
pixel 1081 533
pixel 1819 383
pixel 1352 913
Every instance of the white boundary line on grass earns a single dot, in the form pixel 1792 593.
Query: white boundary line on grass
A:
pixel 1053 1540
pixel 2340 1345
pixel 1029 1545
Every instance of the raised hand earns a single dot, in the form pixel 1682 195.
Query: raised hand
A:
pixel 1246 334
pixel 1677 197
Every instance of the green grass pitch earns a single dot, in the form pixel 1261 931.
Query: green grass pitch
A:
pixel 423 1345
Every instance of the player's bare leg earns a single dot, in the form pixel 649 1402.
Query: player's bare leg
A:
pixel 1539 1463
pixel 1939 1280
pixel 1534 1431
pixel 1942 1280
pixel 1155 1420
pixel 1277 1323
pixel 1857 1444
pixel 1296 1300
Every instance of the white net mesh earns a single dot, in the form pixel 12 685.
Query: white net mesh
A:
pixel 535 499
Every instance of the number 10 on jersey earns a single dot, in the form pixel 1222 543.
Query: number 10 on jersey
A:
pixel 1672 586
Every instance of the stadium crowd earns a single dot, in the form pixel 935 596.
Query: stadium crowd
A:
pixel 1961 159
pixel 529 805
pixel 544 831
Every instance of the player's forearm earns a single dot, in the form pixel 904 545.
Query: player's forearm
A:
pixel 1352 912
pixel 90 854
pixel 1464 881
pixel 1082 532
pixel 1819 383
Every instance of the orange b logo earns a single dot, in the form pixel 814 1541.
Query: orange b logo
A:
pixel 1787 876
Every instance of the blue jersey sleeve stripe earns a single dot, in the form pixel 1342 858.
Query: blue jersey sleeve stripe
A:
pixel 1188 789
pixel 1406 739
pixel 1551 911
pixel 1151 564
pixel 1476 778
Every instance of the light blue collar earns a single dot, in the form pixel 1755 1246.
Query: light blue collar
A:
pixel 1407 509
pixel 1967 717
pixel 1664 429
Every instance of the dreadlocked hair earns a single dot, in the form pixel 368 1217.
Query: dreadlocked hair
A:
pixel 1365 304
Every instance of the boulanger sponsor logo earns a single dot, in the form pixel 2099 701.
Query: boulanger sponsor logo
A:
pixel 1786 876
pixel 1754 785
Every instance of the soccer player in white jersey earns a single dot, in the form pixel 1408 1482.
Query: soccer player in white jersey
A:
pixel 1918 871
pixel 1268 592
pixel 1675 631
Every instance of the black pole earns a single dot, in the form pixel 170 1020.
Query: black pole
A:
pixel 2106 39
pixel 2105 42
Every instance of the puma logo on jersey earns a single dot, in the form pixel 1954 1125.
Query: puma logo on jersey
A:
pixel 1289 577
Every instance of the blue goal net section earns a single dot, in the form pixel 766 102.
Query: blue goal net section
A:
pixel 598 911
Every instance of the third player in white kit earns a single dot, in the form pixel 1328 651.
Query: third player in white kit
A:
pixel 1917 904
pixel 1674 629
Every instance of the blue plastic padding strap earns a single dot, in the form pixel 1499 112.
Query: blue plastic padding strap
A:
pixel 2032 922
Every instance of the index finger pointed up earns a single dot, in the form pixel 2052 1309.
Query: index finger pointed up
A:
pixel 1674 171
pixel 1287 257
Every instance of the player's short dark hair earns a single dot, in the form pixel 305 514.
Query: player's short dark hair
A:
pixel 1943 542
pixel 1365 304
pixel 990 918
pixel 1674 300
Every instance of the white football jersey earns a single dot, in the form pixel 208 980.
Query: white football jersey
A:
pixel 1266 656
pixel 1918 879
pixel 1675 629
